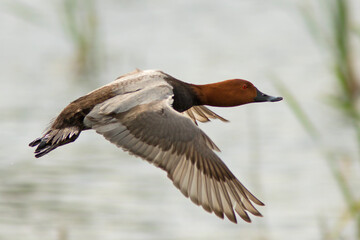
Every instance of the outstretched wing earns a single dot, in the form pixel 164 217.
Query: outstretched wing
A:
pixel 202 114
pixel 157 133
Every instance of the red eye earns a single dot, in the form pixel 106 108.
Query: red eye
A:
pixel 244 86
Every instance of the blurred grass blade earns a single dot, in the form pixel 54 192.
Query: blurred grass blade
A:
pixel 80 22
pixel 296 108
pixel 336 39
pixel 24 11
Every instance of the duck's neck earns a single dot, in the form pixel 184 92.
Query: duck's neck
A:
pixel 221 94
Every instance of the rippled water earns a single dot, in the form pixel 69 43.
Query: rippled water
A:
pixel 92 190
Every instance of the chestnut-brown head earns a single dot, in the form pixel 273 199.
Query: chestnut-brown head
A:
pixel 231 93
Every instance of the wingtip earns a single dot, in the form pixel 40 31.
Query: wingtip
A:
pixel 257 201
pixel 256 213
pixel 246 219
pixel 219 214
pixel 232 218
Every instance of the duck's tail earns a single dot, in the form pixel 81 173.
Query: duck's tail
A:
pixel 54 138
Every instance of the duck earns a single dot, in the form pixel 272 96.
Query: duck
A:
pixel 154 116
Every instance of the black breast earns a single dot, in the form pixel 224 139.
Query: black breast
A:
pixel 184 95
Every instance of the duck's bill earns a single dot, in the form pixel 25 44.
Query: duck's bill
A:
pixel 262 97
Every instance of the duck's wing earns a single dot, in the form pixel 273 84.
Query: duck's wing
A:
pixel 157 133
pixel 202 114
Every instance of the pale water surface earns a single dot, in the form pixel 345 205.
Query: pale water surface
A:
pixel 93 190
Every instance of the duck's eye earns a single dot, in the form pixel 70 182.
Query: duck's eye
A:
pixel 244 86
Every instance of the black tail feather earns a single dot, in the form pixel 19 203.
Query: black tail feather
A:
pixel 51 140
pixel 41 151
pixel 35 142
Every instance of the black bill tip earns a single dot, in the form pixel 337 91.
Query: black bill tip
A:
pixel 275 99
pixel 262 97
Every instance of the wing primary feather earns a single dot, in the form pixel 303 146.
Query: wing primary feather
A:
pixel 200 115
pixel 191 177
pixel 208 191
pixel 246 202
pixel 159 157
pixel 204 194
pixel 184 183
pixel 211 114
pixel 177 173
pixel 170 163
pixel 242 213
pixel 227 204
pixel 251 196
pixel 199 184
pixel 193 188
pixel 217 207
pixel 191 115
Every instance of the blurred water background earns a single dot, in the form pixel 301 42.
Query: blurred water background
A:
pixel 299 156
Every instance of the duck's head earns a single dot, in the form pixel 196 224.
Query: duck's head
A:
pixel 233 92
